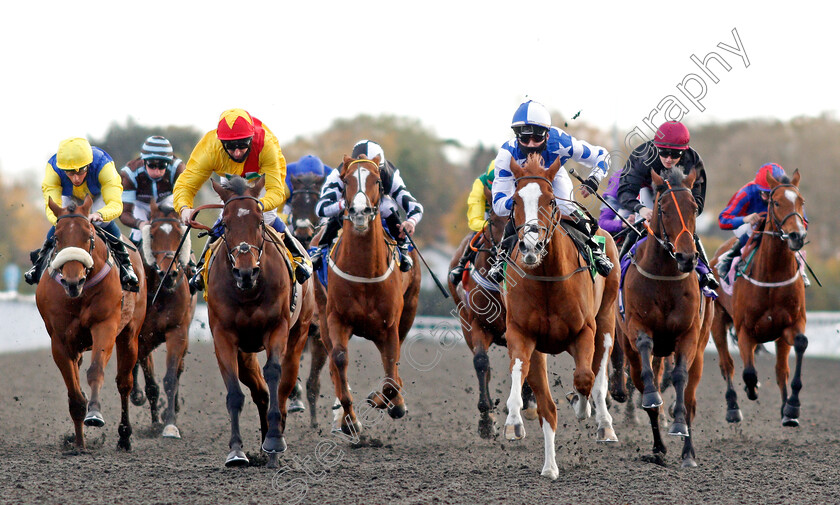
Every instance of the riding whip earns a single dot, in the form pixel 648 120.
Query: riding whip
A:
pixel 174 259
pixel 599 197
pixel 809 268
pixel 434 277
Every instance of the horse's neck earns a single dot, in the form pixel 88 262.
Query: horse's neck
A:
pixel 364 254
pixel 773 258
pixel 560 252
pixel 653 257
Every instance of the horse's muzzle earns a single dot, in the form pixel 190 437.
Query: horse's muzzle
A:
pixel 246 278
pixel 796 240
pixel 686 262
pixel 73 289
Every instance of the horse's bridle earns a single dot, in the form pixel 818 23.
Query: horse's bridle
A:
pixel 167 253
pixel 553 219
pixel 664 241
pixel 308 224
pixel 92 245
pixel 369 211
pixel 776 221
pixel 233 253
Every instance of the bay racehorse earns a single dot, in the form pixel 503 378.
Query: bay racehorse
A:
pixel 481 313
pixel 367 294
pixel 554 305
pixel 303 222
pixel 83 306
pixel 664 310
pixel 168 319
pixel 249 293
pixel 768 301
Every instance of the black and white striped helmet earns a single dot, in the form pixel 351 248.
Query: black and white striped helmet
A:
pixel 370 149
pixel 157 148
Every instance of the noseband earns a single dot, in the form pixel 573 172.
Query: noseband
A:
pixel 234 252
pixel 664 241
pixel 538 228
pixel 91 246
pixel 778 223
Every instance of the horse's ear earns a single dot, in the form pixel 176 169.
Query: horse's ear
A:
pixel 345 164
pixel 376 159
pixel 690 178
pixel 223 193
pixel 153 206
pixel 657 181
pixel 54 207
pixel 86 205
pixel 771 181
pixel 515 168
pixel 552 170
pixel 258 186
pixel 795 178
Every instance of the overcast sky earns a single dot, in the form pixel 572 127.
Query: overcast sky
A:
pixel 461 68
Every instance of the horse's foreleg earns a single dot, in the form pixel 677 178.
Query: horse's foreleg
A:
pixel 69 368
pixel 176 348
pixel 790 409
pixel 126 360
pixel 152 388
pixel 650 394
pixel 104 337
pixel 318 353
pixel 618 378
pixel 746 346
pixel 138 397
pixel 695 372
pixel 583 352
pixel 720 326
pixel 391 396
pixel 679 374
pixel 547 411
pixel 339 335
pixel 603 345
pixel 226 356
pixel 519 350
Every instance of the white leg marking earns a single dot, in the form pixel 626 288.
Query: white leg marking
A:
pixel 599 396
pixel 514 403
pixel 550 467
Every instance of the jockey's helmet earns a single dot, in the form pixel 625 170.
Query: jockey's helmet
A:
pixel 773 169
pixel 157 148
pixel 530 123
pixel 73 154
pixel 309 164
pixel 672 135
pixel 371 150
pixel 235 124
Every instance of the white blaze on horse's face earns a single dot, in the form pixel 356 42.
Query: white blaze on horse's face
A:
pixel 792 196
pixel 530 195
pixel 166 228
pixel 242 212
pixel 360 202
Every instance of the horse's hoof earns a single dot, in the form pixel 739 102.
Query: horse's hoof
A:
pixel 689 463
pixel 171 431
pixel 352 430
pixel 606 436
pixel 487 428
pixel 678 429
pixel 790 411
pixel 274 445
pixel 138 397
pixel 752 394
pixel 397 411
pixel 296 405
pixel 734 416
pixel 618 396
pixel 124 444
pixel 236 458
pixel 582 410
pixel 551 473
pixel 790 422
pixel 651 400
pixel 530 412
pixel 514 432
pixel 94 418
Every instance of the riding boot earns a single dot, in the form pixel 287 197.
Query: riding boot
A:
pixel 393 223
pixel 303 266
pixel 330 232
pixel 725 260
pixel 127 276
pixel 707 278
pixel 505 248
pixel 457 271
pixel 630 240
pixel 191 270
pixel 197 279
pixel 600 260
pixel 38 258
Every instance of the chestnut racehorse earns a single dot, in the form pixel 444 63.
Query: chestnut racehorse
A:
pixel 367 293
pixel 249 290
pixel 84 308
pixel 768 301
pixel 481 312
pixel 553 305
pixel 665 312
pixel 168 320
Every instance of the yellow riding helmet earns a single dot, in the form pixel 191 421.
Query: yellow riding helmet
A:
pixel 73 154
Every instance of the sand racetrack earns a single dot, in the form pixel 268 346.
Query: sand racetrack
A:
pixel 433 455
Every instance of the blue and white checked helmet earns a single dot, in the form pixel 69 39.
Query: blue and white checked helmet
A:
pixel 531 113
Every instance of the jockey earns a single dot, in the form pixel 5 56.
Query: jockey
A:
pixel 151 177
pixel 331 204
pixel 669 147
pixel 309 164
pixel 74 172
pixel 478 210
pixel 607 219
pixel 534 134
pixel 241 145
pixel 743 213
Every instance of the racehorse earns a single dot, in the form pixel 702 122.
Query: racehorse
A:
pixel 84 308
pixel 664 310
pixel 249 293
pixel 168 320
pixel 303 221
pixel 768 301
pixel 481 312
pixel 368 295
pixel 553 305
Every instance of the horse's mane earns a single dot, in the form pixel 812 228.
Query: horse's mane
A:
pixel 236 184
pixel 675 176
pixel 533 162
pixel 166 210
pixel 784 179
pixel 72 207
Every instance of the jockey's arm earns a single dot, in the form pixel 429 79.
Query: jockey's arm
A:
pixel 732 216
pixel 413 209
pixel 51 187
pixel 591 156
pixel 199 169
pixel 330 203
pixel 475 206
pixel 633 178
pixel 129 196
pixel 699 188
pixel 273 166
pixel 503 184
pixel 111 184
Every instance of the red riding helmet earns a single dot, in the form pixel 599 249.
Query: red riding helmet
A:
pixel 235 124
pixel 774 169
pixel 672 135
